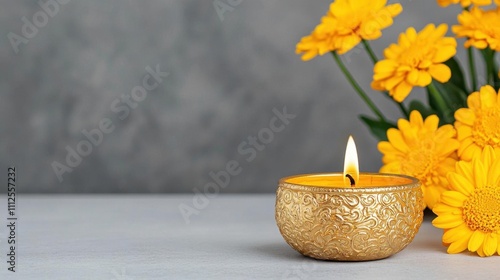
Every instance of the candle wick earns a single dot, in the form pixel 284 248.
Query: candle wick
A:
pixel 353 183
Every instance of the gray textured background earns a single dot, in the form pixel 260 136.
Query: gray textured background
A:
pixel 225 78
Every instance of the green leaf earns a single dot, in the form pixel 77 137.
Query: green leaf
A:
pixel 377 127
pixel 491 68
pixel 457 74
pixel 454 97
pixel 423 109
pixel 454 93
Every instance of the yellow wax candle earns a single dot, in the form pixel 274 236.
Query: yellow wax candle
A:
pixel 336 180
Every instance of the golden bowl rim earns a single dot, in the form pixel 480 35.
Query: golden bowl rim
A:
pixel 415 183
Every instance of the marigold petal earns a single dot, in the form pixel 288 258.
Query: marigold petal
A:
pixel 497 149
pixel 446 131
pixel 463 132
pixel 447 221
pixel 448 41
pixel 444 3
pixel 391 159
pixel 457 233
pixel 453 198
pixel 392 167
pixel 392 52
pixel 419 78
pixel 469 152
pixel 385 66
pixel 447 147
pixel 440 30
pixel 393 81
pixel 478 34
pixel 403 69
pixel 377 76
pixel 460 183
pixel 394 9
pixel 487 157
pixel 385 147
pixel 465 116
pixel 377 85
pixel 488 96
pixel 424 64
pixel 474 101
pixel 348 43
pixel 446 166
pixel 309 55
pixel 484 2
pixel 424 78
pixel 427 31
pixel 416 118
pixel 464 144
pixel 444 53
pixel 431 122
pixel 432 193
pixel 443 209
pixel 440 72
pixel 412 77
pixel 396 139
pixel 401 91
pixel 480 251
pixel 498 248
pixel 404 125
pixel 476 240
pixel 494 173
pixel 405 39
pixel 490 244
pixel 479 44
pixel 479 172
pixel 458 246
pixel 465 169
pixel 371 30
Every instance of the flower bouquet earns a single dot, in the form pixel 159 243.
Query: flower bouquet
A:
pixel 452 143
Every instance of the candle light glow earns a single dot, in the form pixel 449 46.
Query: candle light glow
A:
pixel 351 166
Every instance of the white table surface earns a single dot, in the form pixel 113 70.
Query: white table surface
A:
pixel 125 237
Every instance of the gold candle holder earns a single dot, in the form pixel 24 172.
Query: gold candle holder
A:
pixel 322 218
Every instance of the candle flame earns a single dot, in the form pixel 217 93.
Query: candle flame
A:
pixel 351 165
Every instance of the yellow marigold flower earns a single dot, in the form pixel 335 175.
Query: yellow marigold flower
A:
pixel 481 28
pixel 469 212
pixel 346 24
pixel 420 149
pixel 414 61
pixel 479 124
pixel 464 3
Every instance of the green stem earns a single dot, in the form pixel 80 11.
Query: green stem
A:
pixel 496 78
pixel 490 68
pixel 493 70
pixel 357 88
pixel 369 49
pixel 441 103
pixel 374 59
pixel 403 109
pixel 472 68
